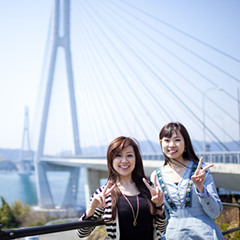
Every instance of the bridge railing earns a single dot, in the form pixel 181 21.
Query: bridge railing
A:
pixel 213 157
pixel 46 229
pixel 232 205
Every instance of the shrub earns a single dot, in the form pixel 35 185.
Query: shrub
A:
pixel 7 218
pixel 19 214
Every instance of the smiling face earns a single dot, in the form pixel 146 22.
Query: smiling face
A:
pixel 173 147
pixel 124 162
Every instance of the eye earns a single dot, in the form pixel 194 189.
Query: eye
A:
pixel 118 155
pixel 178 139
pixel 166 140
pixel 130 155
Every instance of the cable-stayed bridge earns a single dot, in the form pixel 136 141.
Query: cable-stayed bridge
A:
pixel 116 68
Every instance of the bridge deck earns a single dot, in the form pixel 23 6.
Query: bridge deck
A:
pixel 226 169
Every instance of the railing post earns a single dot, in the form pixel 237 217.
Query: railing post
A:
pixel 239 214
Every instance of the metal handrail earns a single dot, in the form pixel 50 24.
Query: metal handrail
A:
pixel 232 205
pixel 31 231
pixel 40 230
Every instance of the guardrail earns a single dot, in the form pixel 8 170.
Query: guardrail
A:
pixel 232 205
pixel 40 230
pixel 213 157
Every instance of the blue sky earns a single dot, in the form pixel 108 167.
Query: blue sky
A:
pixel 24 28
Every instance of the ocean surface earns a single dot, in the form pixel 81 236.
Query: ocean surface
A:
pixel 19 187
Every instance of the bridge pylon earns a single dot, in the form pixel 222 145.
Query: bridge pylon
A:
pixel 25 156
pixel 45 199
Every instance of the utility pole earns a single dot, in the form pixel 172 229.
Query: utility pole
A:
pixel 238 114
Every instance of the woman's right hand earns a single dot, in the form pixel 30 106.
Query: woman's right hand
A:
pixel 157 195
pixel 98 200
pixel 199 176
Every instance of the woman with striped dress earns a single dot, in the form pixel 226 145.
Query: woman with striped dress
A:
pixel 130 208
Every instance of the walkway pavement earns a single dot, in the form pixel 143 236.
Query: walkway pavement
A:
pixel 66 235
pixel 72 235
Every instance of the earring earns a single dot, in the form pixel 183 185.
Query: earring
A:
pixel 185 150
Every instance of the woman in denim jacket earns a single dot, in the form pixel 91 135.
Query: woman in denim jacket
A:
pixel 190 197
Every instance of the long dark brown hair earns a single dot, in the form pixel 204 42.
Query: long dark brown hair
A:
pixel 174 127
pixel 115 147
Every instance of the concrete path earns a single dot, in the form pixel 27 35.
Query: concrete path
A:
pixel 97 234
pixel 66 235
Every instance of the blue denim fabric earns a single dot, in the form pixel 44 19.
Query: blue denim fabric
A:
pixel 196 221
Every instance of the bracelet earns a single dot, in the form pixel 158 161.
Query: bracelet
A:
pixel 160 207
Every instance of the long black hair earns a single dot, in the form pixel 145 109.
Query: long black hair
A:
pixel 174 127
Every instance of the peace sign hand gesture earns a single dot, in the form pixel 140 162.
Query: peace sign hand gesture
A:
pixel 157 195
pixel 98 200
pixel 199 176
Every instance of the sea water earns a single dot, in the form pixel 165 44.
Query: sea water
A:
pixel 23 187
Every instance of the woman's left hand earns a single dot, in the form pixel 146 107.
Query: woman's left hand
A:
pixel 157 195
pixel 199 176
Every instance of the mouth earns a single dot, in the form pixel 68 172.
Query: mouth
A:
pixel 172 151
pixel 124 167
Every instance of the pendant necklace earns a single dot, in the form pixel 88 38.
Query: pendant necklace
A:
pixel 134 216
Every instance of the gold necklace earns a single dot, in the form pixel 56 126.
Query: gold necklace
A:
pixel 134 216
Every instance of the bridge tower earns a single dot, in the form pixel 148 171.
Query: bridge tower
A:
pixel 25 156
pixel 45 199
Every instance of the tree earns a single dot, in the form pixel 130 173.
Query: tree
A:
pixel 7 218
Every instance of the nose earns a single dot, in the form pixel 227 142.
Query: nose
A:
pixel 172 143
pixel 124 159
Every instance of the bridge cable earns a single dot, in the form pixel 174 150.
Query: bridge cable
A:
pixel 184 104
pixel 171 92
pixel 180 45
pixel 110 92
pixel 191 84
pixel 101 91
pixel 139 100
pixel 171 53
pixel 146 87
pixel 100 56
pixel 135 96
pixel 89 100
pixel 184 33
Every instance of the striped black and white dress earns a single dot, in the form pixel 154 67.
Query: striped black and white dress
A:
pixel 113 227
